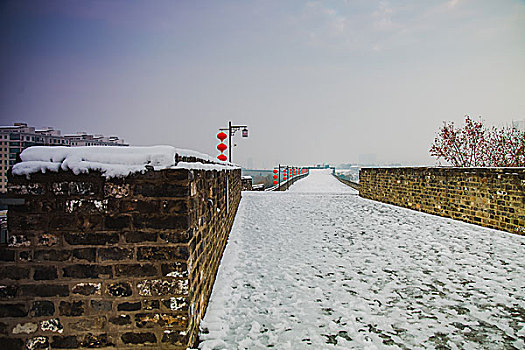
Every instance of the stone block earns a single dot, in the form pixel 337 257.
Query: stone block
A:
pixel 162 287
pixel 13 310
pixel 135 270
pixel 119 289
pixel 114 253
pixel 127 306
pixel 160 253
pixel 87 271
pixel 42 308
pixel 86 288
pixel 138 338
pixel 139 237
pixel 45 273
pixel 14 272
pixel 99 238
pixel 101 305
pixel 149 320
pixel 44 290
pixel 161 190
pixel 51 255
pixel 71 308
pixel 161 222
pixel 120 320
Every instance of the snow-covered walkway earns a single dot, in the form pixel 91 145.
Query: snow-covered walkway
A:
pixel 318 267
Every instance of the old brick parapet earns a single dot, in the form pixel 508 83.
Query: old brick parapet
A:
pixel 113 263
pixel 490 197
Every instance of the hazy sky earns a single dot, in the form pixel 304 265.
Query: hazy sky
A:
pixel 316 81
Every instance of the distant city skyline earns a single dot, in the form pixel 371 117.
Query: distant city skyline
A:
pixel 315 81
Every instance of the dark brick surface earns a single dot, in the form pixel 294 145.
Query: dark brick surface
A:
pixel 42 308
pixel 99 238
pixel 137 270
pixel 138 338
pixel 105 258
pixel 13 310
pixel 87 271
pixel 45 273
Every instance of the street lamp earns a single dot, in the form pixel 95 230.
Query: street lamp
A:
pixel 231 131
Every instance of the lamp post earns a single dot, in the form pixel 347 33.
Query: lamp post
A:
pixel 231 131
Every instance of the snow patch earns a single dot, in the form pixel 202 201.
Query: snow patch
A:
pixel 111 161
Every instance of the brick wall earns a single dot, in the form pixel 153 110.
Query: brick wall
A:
pixel 490 197
pixel 113 263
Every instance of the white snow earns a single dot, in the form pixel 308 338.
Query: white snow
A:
pixel 111 161
pixel 319 267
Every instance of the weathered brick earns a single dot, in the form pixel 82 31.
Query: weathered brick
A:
pixel 65 342
pixel 51 325
pixel 25 255
pixel 141 206
pixel 151 304
pixel 161 190
pixel 139 237
pixel 44 290
pixel 136 270
pixel 178 338
pixel 162 287
pixel 11 343
pixel 162 253
pixel 138 338
pixel 47 240
pixel 42 308
pixel 120 320
pixel 14 272
pixel 13 310
pixel 87 271
pixel 101 305
pixel 51 255
pixel 99 238
pixel 87 254
pixel 73 308
pixel 8 292
pixel 177 237
pixel 39 342
pixel 88 324
pixel 87 288
pixel 115 253
pixel 96 341
pixel 118 222
pixel 7 254
pixel 163 222
pixel 127 306
pixel 148 320
pixel 175 269
pixel 45 273
pixel 119 289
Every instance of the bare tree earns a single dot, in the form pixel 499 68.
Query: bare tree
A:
pixel 474 145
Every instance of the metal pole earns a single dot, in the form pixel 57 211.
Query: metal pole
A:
pixel 230 141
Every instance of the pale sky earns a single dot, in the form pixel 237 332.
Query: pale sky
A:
pixel 315 81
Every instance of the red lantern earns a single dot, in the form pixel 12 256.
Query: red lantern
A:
pixel 284 177
pixel 221 136
pixel 275 171
pixel 275 176
pixel 222 157
pixel 275 182
pixel 222 147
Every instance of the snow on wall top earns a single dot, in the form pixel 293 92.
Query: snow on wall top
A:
pixel 111 161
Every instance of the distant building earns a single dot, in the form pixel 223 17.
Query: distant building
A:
pixel 14 139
